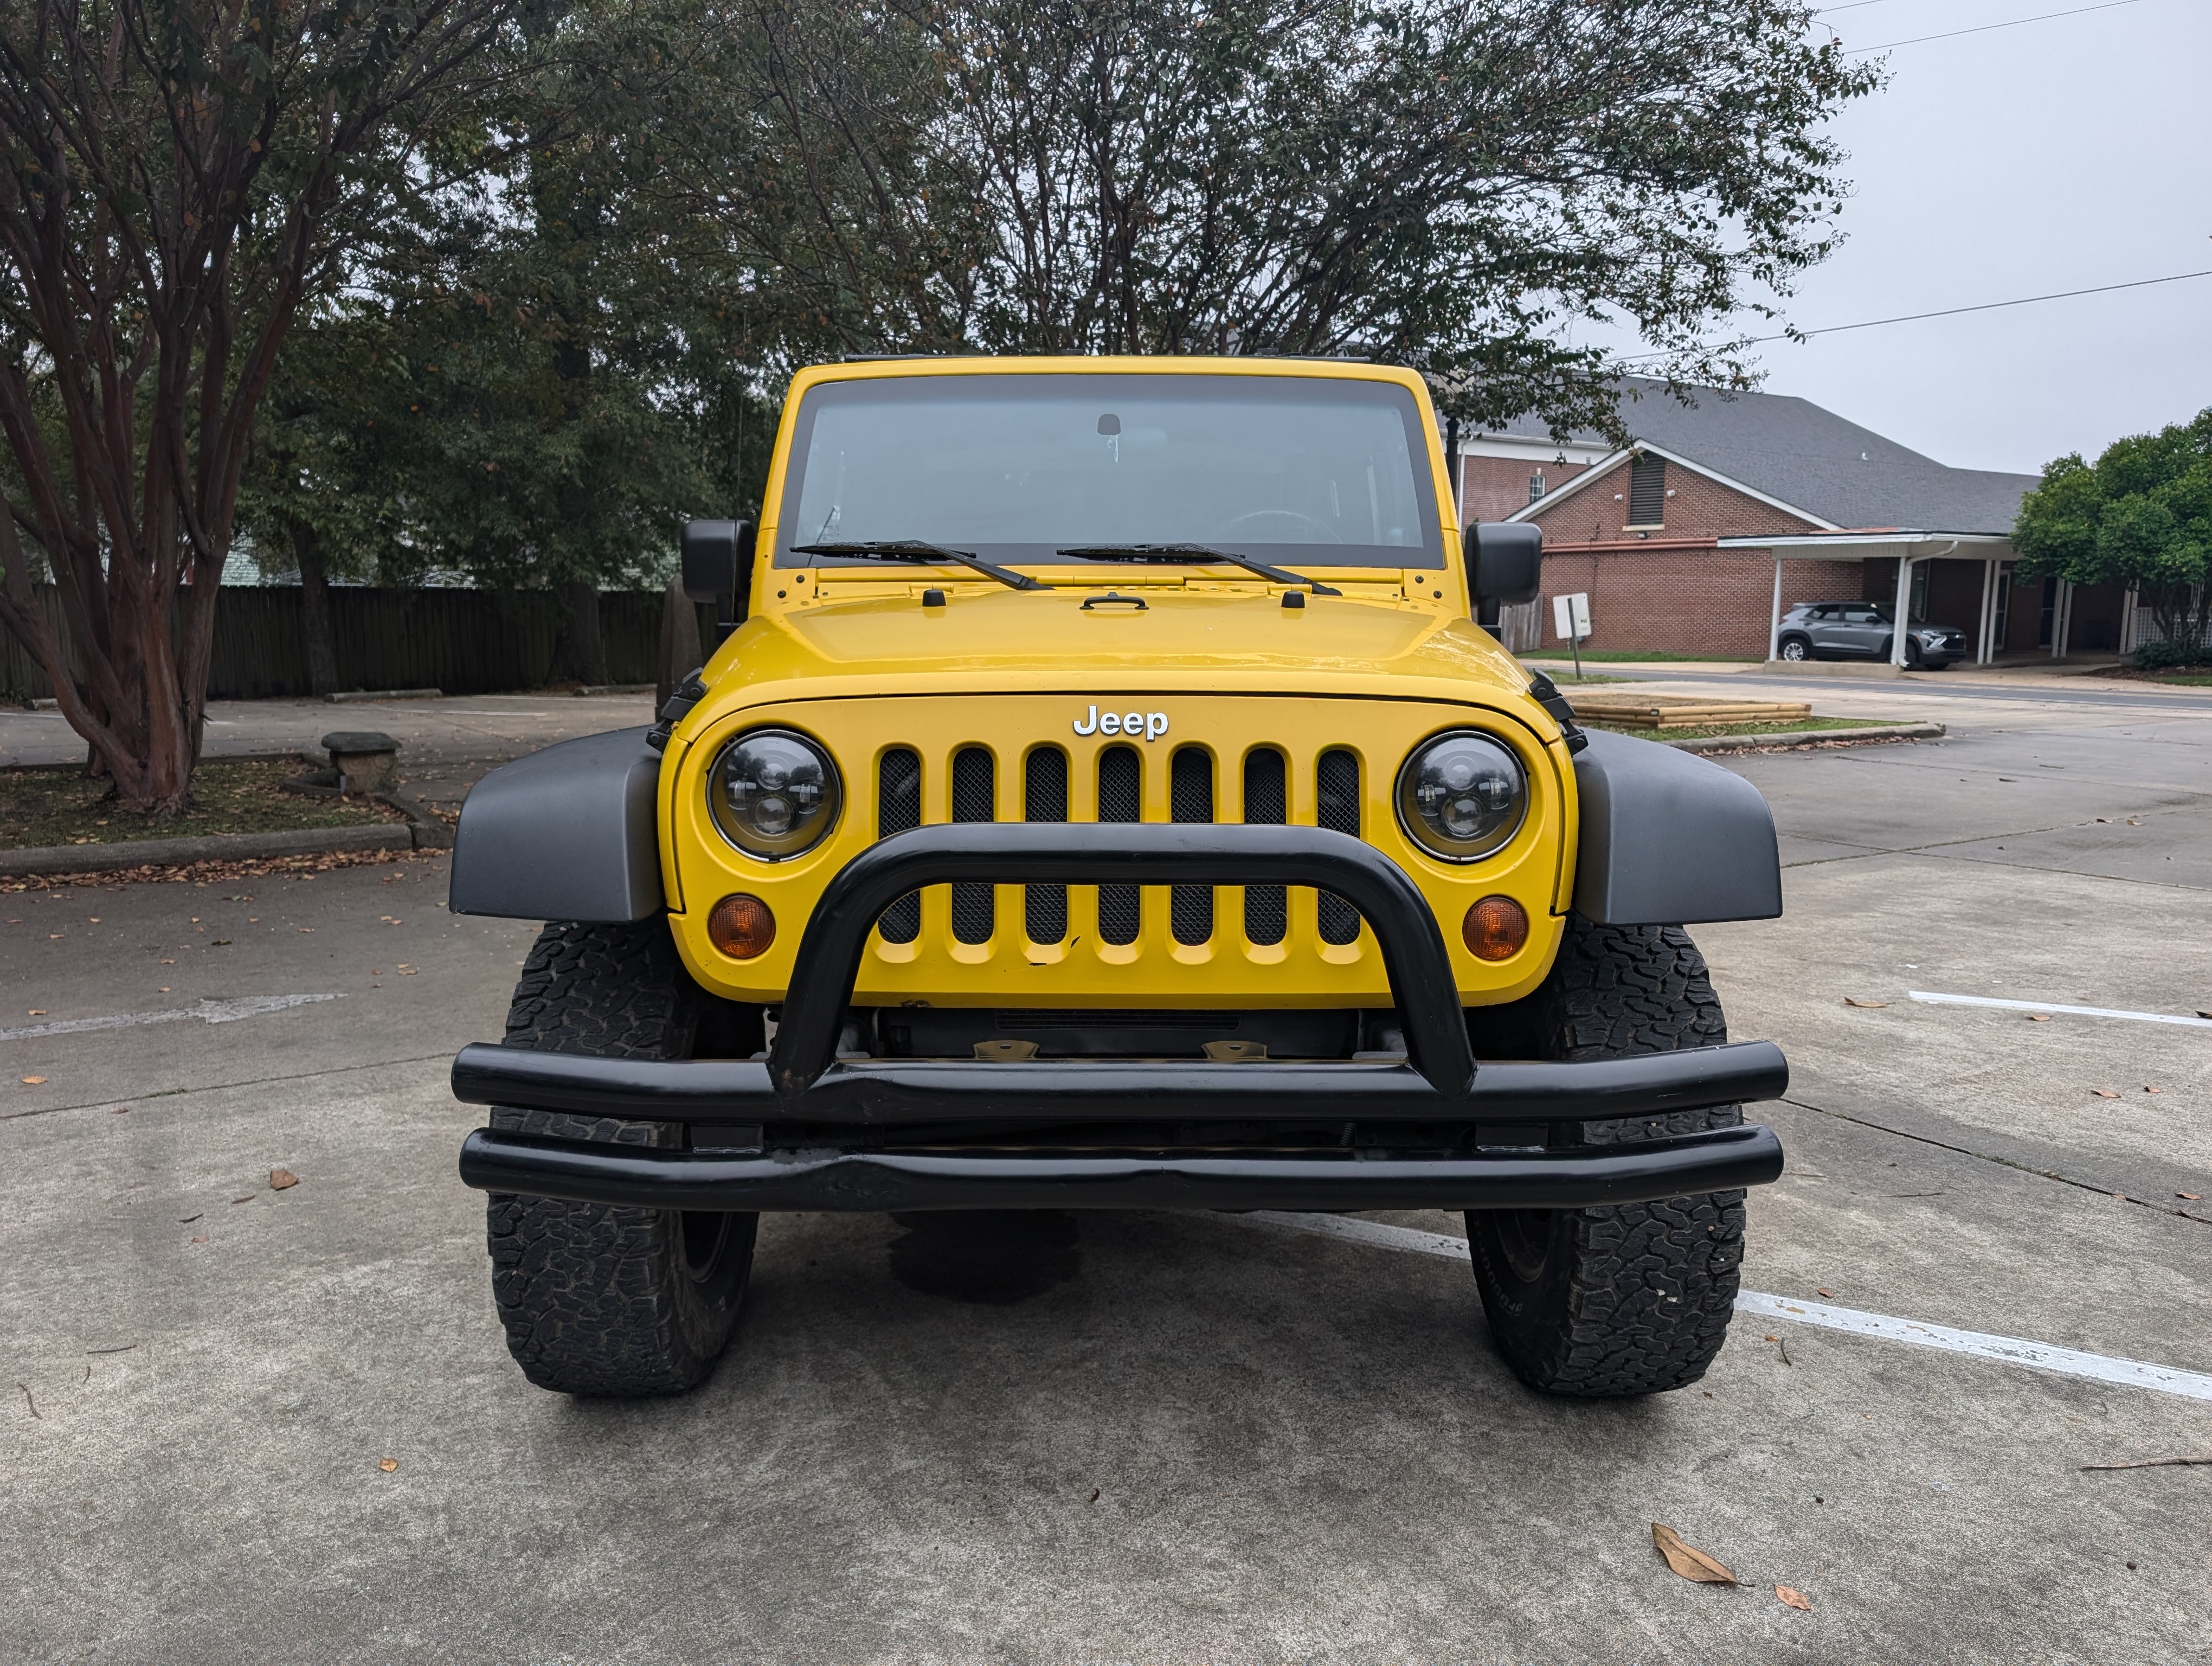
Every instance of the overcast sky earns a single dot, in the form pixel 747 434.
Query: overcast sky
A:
pixel 2055 156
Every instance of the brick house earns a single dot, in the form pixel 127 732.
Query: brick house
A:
pixel 1721 515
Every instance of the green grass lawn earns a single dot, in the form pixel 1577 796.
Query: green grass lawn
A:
pixel 58 806
pixel 1801 726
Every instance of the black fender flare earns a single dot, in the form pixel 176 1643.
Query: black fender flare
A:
pixel 567 833
pixel 1670 839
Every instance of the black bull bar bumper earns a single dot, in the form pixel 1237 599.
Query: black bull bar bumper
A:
pixel 802 1086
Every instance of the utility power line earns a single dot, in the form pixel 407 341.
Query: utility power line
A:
pixel 2010 23
pixel 1952 312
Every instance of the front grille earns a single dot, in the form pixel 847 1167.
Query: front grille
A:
pixel 898 807
pixel 1336 780
pixel 1267 804
pixel 1120 907
pixel 1190 798
pixel 1263 798
pixel 975 798
pixel 1044 798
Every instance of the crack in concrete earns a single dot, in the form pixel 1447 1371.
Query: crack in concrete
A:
pixel 2001 1162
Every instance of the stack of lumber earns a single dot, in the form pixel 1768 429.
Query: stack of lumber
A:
pixel 1640 709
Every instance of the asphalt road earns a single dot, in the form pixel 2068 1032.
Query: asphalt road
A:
pixel 1136 1437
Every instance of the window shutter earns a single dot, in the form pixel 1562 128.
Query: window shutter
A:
pixel 1647 490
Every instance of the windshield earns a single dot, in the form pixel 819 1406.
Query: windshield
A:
pixel 1303 471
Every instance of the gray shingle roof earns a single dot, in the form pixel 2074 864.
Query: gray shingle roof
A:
pixel 1792 449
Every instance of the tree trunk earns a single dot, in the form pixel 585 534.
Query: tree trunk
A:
pixel 315 611
pixel 578 654
pixel 680 653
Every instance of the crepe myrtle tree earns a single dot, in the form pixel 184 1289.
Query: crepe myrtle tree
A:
pixel 181 175
pixel 2141 515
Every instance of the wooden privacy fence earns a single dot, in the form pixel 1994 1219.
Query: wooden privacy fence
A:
pixel 464 641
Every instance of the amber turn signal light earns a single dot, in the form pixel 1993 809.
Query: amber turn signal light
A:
pixel 742 927
pixel 1495 928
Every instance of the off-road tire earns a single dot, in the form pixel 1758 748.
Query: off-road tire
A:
pixel 1631 1299
pixel 598 1300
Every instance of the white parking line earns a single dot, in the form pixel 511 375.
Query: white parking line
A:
pixel 2006 1350
pixel 208 1011
pixel 1935 999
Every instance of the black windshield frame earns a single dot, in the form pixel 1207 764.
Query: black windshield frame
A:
pixel 1430 555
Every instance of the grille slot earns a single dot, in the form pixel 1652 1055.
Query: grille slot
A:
pixel 974 800
pixel 1267 804
pixel 1120 907
pixel 1336 778
pixel 1190 798
pixel 1044 798
pixel 898 807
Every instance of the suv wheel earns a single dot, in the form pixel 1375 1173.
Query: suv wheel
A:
pixel 601 1300
pixel 1796 648
pixel 1631 1299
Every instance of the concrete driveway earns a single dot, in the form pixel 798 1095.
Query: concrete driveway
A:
pixel 1139 1437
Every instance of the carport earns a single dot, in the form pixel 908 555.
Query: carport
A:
pixel 1907 549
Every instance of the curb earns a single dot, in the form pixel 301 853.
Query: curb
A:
pixel 590 690
pixel 350 696
pixel 208 847
pixel 1746 742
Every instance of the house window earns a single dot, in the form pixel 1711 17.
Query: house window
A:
pixel 1536 486
pixel 1647 490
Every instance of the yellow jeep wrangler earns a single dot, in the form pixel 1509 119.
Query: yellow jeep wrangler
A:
pixel 1106 794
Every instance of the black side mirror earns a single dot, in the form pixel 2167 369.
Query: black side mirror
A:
pixel 1505 563
pixel 717 563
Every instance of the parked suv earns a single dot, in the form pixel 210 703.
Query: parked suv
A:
pixel 1108 796
pixel 1862 630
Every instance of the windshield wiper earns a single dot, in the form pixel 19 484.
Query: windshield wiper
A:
pixel 1162 553
pixel 914 549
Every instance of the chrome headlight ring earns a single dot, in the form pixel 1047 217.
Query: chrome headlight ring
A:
pixel 774 794
pixel 1461 796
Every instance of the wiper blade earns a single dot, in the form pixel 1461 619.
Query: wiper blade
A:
pixel 914 549
pixel 1193 553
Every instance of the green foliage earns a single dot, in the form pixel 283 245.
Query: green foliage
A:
pixel 2141 515
pixel 689 199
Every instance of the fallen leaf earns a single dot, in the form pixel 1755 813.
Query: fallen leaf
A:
pixel 186 1220
pixel 2153 1089
pixel 1830 1294
pixel 2104 1093
pixel 219 943
pixel 32 1081
pixel 1853 1001
pixel 38 1011
pixel 1687 1561
pixel 279 1179
pixel 387 1464
pixel 248 1198
pixel 1793 1599
pixel 2039 1018
pixel 199 1240
pixel 1094 1495
pixel 2193 1197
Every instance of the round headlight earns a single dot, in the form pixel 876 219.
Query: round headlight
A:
pixel 774 794
pixel 1461 796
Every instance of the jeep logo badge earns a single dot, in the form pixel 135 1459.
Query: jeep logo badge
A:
pixel 1150 725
